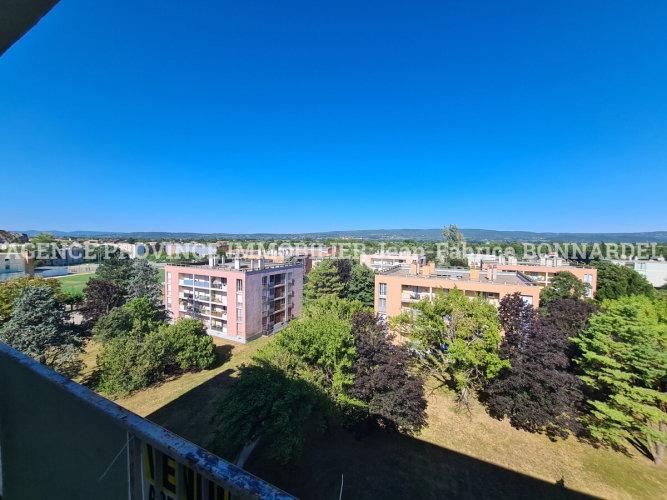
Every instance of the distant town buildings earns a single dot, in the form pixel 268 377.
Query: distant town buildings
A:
pixel 399 287
pixel 238 300
pixel 383 260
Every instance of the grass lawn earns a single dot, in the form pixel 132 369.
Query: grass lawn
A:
pixel 77 282
pixel 460 454
pixel 74 282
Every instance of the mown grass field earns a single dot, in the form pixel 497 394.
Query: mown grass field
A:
pixel 77 282
pixel 460 455
pixel 74 282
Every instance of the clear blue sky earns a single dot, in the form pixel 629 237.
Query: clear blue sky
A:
pixel 291 116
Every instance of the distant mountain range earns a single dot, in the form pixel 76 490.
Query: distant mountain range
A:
pixel 471 235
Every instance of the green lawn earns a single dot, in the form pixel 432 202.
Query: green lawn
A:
pixel 74 282
pixel 77 282
pixel 459 455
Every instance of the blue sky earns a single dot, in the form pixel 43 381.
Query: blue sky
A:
pixel 295 116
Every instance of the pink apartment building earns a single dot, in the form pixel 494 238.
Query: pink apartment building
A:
pixel 239 300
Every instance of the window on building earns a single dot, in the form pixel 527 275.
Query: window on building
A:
pixel 382 305
pixel 265 280
pixel 239 315
pixel 239 285
pixel 527 299
pixel 383 289
pixel 169 277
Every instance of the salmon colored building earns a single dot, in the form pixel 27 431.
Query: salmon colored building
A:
pixel 398 288
pixel 239 300
pixel 543 272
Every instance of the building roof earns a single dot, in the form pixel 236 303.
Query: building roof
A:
pixel 462 275
pixel 243 266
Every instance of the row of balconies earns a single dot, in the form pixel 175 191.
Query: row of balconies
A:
pixel 415 296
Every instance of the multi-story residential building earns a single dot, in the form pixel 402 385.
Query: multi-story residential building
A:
pixel 398 287
pixel 655 271
pixel 15 265
pixel 239 300
pixel 543 271
pixel 384 260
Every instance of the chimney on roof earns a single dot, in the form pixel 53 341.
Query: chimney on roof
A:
pixel 426 271
pixel 431 267
pixel 414 268
pixel 474 272
pixel 237 263
pixel 260 263
pixel 491 272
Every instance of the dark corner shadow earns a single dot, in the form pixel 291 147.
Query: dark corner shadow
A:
pixel 390 465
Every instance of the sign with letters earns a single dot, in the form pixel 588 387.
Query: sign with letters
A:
pixel 164 478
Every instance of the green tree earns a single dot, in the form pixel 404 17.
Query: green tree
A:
pixel 454 240
pixel 323 280
pixel 39 328
pixel 616 281
pixel 144 281
pixel 457 338
pixel 332 305
pixel 145 315
pixel 564 285
pixel 43 238
pixel 139 358
pixel 11 290
pixel 130 362
pixel 119 321
pixel 190 346
pixel 72 299
pixel 318 349
pixel 116 270
pixel 101 297
pixel 361 286
pixel 264 402
pixel 624 358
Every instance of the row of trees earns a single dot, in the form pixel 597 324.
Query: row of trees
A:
pixel 337 364
pixel 595 369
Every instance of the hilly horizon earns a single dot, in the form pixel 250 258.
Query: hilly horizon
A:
pixel 472 235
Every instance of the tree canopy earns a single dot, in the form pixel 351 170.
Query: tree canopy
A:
pixel 615 282
pixel 457 338
pixel 361 286
pixel 564 285
pixel 624 359
pixel 144 282
pixel 539 392
pixel 11 290
pixel 39 328
pixel 384 379
pixel 101 297
pixel 323 280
